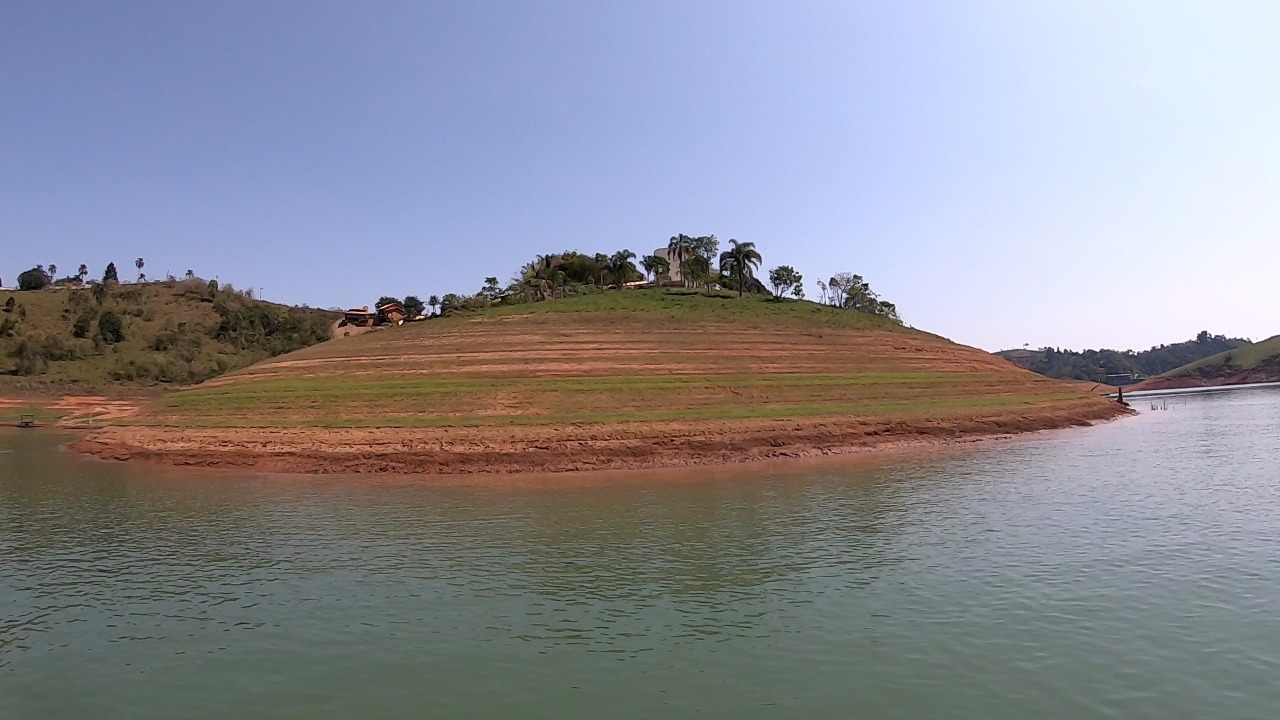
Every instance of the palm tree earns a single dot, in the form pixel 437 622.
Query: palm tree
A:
pixel 679 250
pixel 740 262
pixel 696 270
pixel 602 268
pixel 655 266
pixel 539 277
pixel 82 273
pixel 433 302
pixel 139 263
pixel 621 267
pixel 53 272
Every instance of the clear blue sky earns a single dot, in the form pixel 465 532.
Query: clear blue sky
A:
pixel 1071 174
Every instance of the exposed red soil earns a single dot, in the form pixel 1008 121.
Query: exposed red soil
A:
pixel 558 449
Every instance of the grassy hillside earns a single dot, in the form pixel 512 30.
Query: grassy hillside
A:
pixel 135 336
pixel 1258 362
pixel 645 355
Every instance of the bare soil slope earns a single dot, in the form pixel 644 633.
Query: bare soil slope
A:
pixel 620 380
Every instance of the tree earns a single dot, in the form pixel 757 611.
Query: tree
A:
pixel 784 280
pixel 191 274
pixel 83 272
pixel 434 302
pixel 413 306
pixel 100 292
pixel 491 289
pixel 707 246
pixel 740 262
pixel 851 291
pixel 450 303
pixel 109 275
pixel 601 262
pixel 621 267
pixel 657 267
pixel 34 279
pixel 140 263
pixel 53 271
pixel 110 328
pixel 697 270
pixel 679 249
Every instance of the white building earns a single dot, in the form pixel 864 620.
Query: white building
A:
pixel 674 272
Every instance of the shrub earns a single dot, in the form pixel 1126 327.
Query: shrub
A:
pixel 34 279
pixel 110 328
pixel 29 354
pixel 83 324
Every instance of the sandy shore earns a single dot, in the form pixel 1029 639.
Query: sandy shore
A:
pixel 542 449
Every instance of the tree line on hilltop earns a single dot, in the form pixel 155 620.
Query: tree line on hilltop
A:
pixel 697 260
pixel 1121 366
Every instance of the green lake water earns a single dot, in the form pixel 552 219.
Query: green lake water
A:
pixel 1130 570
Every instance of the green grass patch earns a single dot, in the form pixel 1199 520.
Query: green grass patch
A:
pixel 915 408
pixel 248 395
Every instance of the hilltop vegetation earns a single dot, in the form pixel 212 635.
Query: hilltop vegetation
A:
pixel 687 261
pixel 75 338
pixel 1255 362
pixel 1097 365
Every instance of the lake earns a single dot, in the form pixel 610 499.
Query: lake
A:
pixel 1130 570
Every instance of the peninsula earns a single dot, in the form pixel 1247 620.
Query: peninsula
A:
pixel 604 379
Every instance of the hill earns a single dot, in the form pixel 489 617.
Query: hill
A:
pixel 123 338
pixel 634 378
pixel 1120 367
pixel 1258 362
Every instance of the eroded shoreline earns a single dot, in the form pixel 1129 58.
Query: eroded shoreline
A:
pixel 547 449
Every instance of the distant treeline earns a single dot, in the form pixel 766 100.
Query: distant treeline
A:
pixel 1119 367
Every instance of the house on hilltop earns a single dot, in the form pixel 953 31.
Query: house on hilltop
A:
pixel 360 317
pixel 392 313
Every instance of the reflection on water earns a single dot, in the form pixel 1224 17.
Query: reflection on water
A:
pixel 1126 570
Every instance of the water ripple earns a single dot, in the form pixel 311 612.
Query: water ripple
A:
pixel 1128 570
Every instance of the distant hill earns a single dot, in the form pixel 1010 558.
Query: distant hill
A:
pixel 127 336
pixel 1257 362
pixel 1121 367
